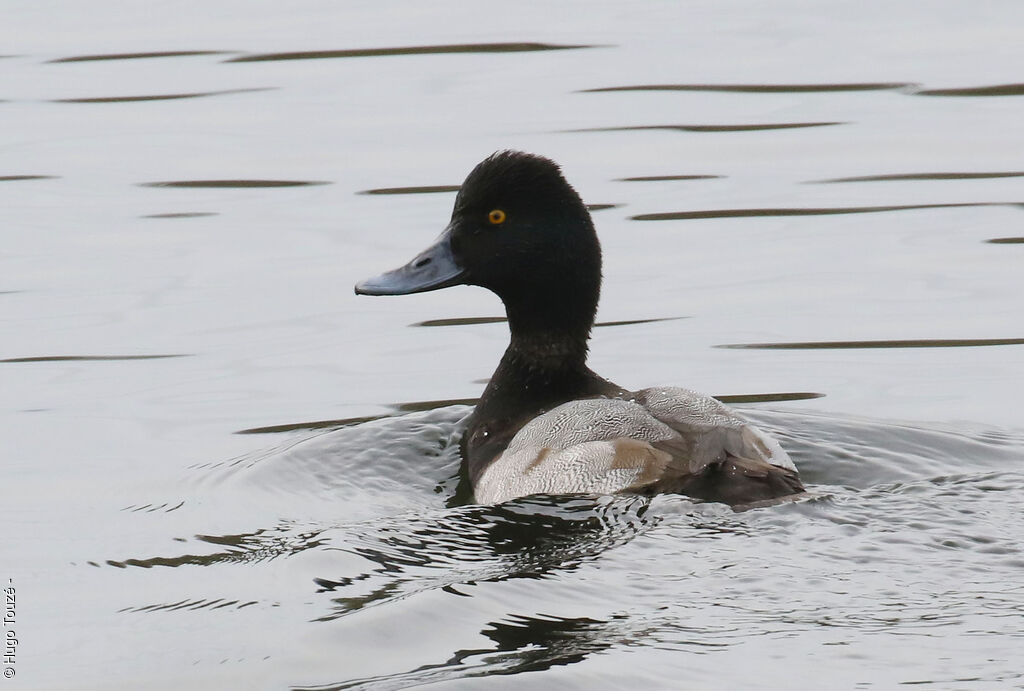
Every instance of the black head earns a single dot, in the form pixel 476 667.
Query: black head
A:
pixel 520 230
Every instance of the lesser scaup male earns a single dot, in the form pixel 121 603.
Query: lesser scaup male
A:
pixel 546 423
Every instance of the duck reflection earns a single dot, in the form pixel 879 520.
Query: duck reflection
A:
pixel 520 644
pixel 527 538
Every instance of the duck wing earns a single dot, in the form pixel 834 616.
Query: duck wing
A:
pixel 586 446
pixel 658 440
pixel 717 455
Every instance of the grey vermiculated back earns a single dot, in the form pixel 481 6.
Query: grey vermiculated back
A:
pixel 599 419
pixel 606 445
pixel 695 415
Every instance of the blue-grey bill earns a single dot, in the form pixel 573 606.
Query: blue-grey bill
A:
pixel 432 269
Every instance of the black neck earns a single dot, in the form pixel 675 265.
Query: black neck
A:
pixel 549 322
pixel 531 379
pixel 543 367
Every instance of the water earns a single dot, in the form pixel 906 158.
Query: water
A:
pixel 813 214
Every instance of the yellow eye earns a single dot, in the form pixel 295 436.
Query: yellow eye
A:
pixel 496 217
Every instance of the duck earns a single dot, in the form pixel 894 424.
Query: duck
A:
pixel 546 423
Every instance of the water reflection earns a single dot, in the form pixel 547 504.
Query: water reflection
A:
pixel 526 538
pixel 91 358
pixel 406 50
pixel 140 56
pixel 465 321
pixel 406 407
pixel 166 507
pixel 754 127
pixel 910 88
pixel 313 424
pixel 521 643
pixel 769 397
pixel 420 406
pixel 217 184
pixel 828 211
pixel 182 214
pixel 760 88
pixel 423 189
pixel 158 97
pixel 219 603
pixel 996 90
pixel 925 176
pixel 895 343
pixel 461 321
pixel 663 178
pixel 883 491
pixel 259 545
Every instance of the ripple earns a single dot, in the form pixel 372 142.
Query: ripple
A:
pixel 759 88
pixel 18 178
pixel 407 50
pixel 313 424
pixel 662 178
pixel 769 397
pixel 631 322
pixel 925 176
pixel 896 343
pixel 517 644
pixel 834 451
pixel 995 90
pixel 158 97
pixel 524 538
pixel 381 467
pixel 231 184
pixel 827 211
pixel 468 321
pixel 182 214
pixel 461 321
pixel 407 407
pixel 256 546
pixel 91 358
pixel 423 189
pixel 166 507
pixel 754 127
pixel 910 531
pixel 423 406
pixel 140 56
pixel 219 603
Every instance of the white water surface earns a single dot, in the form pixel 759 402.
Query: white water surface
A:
pixel 150 546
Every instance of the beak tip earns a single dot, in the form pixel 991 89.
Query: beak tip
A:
pixel 431 269
pixel 366 287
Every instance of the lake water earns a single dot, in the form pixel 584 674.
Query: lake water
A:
pixel 222 469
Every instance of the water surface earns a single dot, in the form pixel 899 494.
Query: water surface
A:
pixel 221 469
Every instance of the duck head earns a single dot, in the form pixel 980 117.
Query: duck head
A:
pixel 520 230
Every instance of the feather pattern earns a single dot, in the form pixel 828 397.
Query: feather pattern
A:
pixel 656 439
